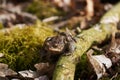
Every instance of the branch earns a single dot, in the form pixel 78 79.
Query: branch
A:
pixel 65 67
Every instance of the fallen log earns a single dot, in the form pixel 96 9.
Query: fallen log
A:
pixel 65 67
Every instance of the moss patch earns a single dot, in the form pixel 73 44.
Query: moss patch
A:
pixel 43 9
pixel 22 46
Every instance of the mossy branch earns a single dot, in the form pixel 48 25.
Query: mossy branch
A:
pixel 65 67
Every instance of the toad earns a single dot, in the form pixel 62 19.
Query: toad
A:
pixel 62 43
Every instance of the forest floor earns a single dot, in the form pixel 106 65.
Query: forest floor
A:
pixel 72 17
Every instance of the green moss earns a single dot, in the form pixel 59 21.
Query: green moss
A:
pixel 43 9
pixel 22 46
pixel 1 26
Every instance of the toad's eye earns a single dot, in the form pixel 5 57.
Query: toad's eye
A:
pixel 48 38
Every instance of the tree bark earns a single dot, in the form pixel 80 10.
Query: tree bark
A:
pixel 65 67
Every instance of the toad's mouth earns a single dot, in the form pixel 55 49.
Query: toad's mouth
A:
pixel 57 50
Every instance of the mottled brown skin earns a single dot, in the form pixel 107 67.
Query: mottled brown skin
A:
pixel 62 43
pixel 55 44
